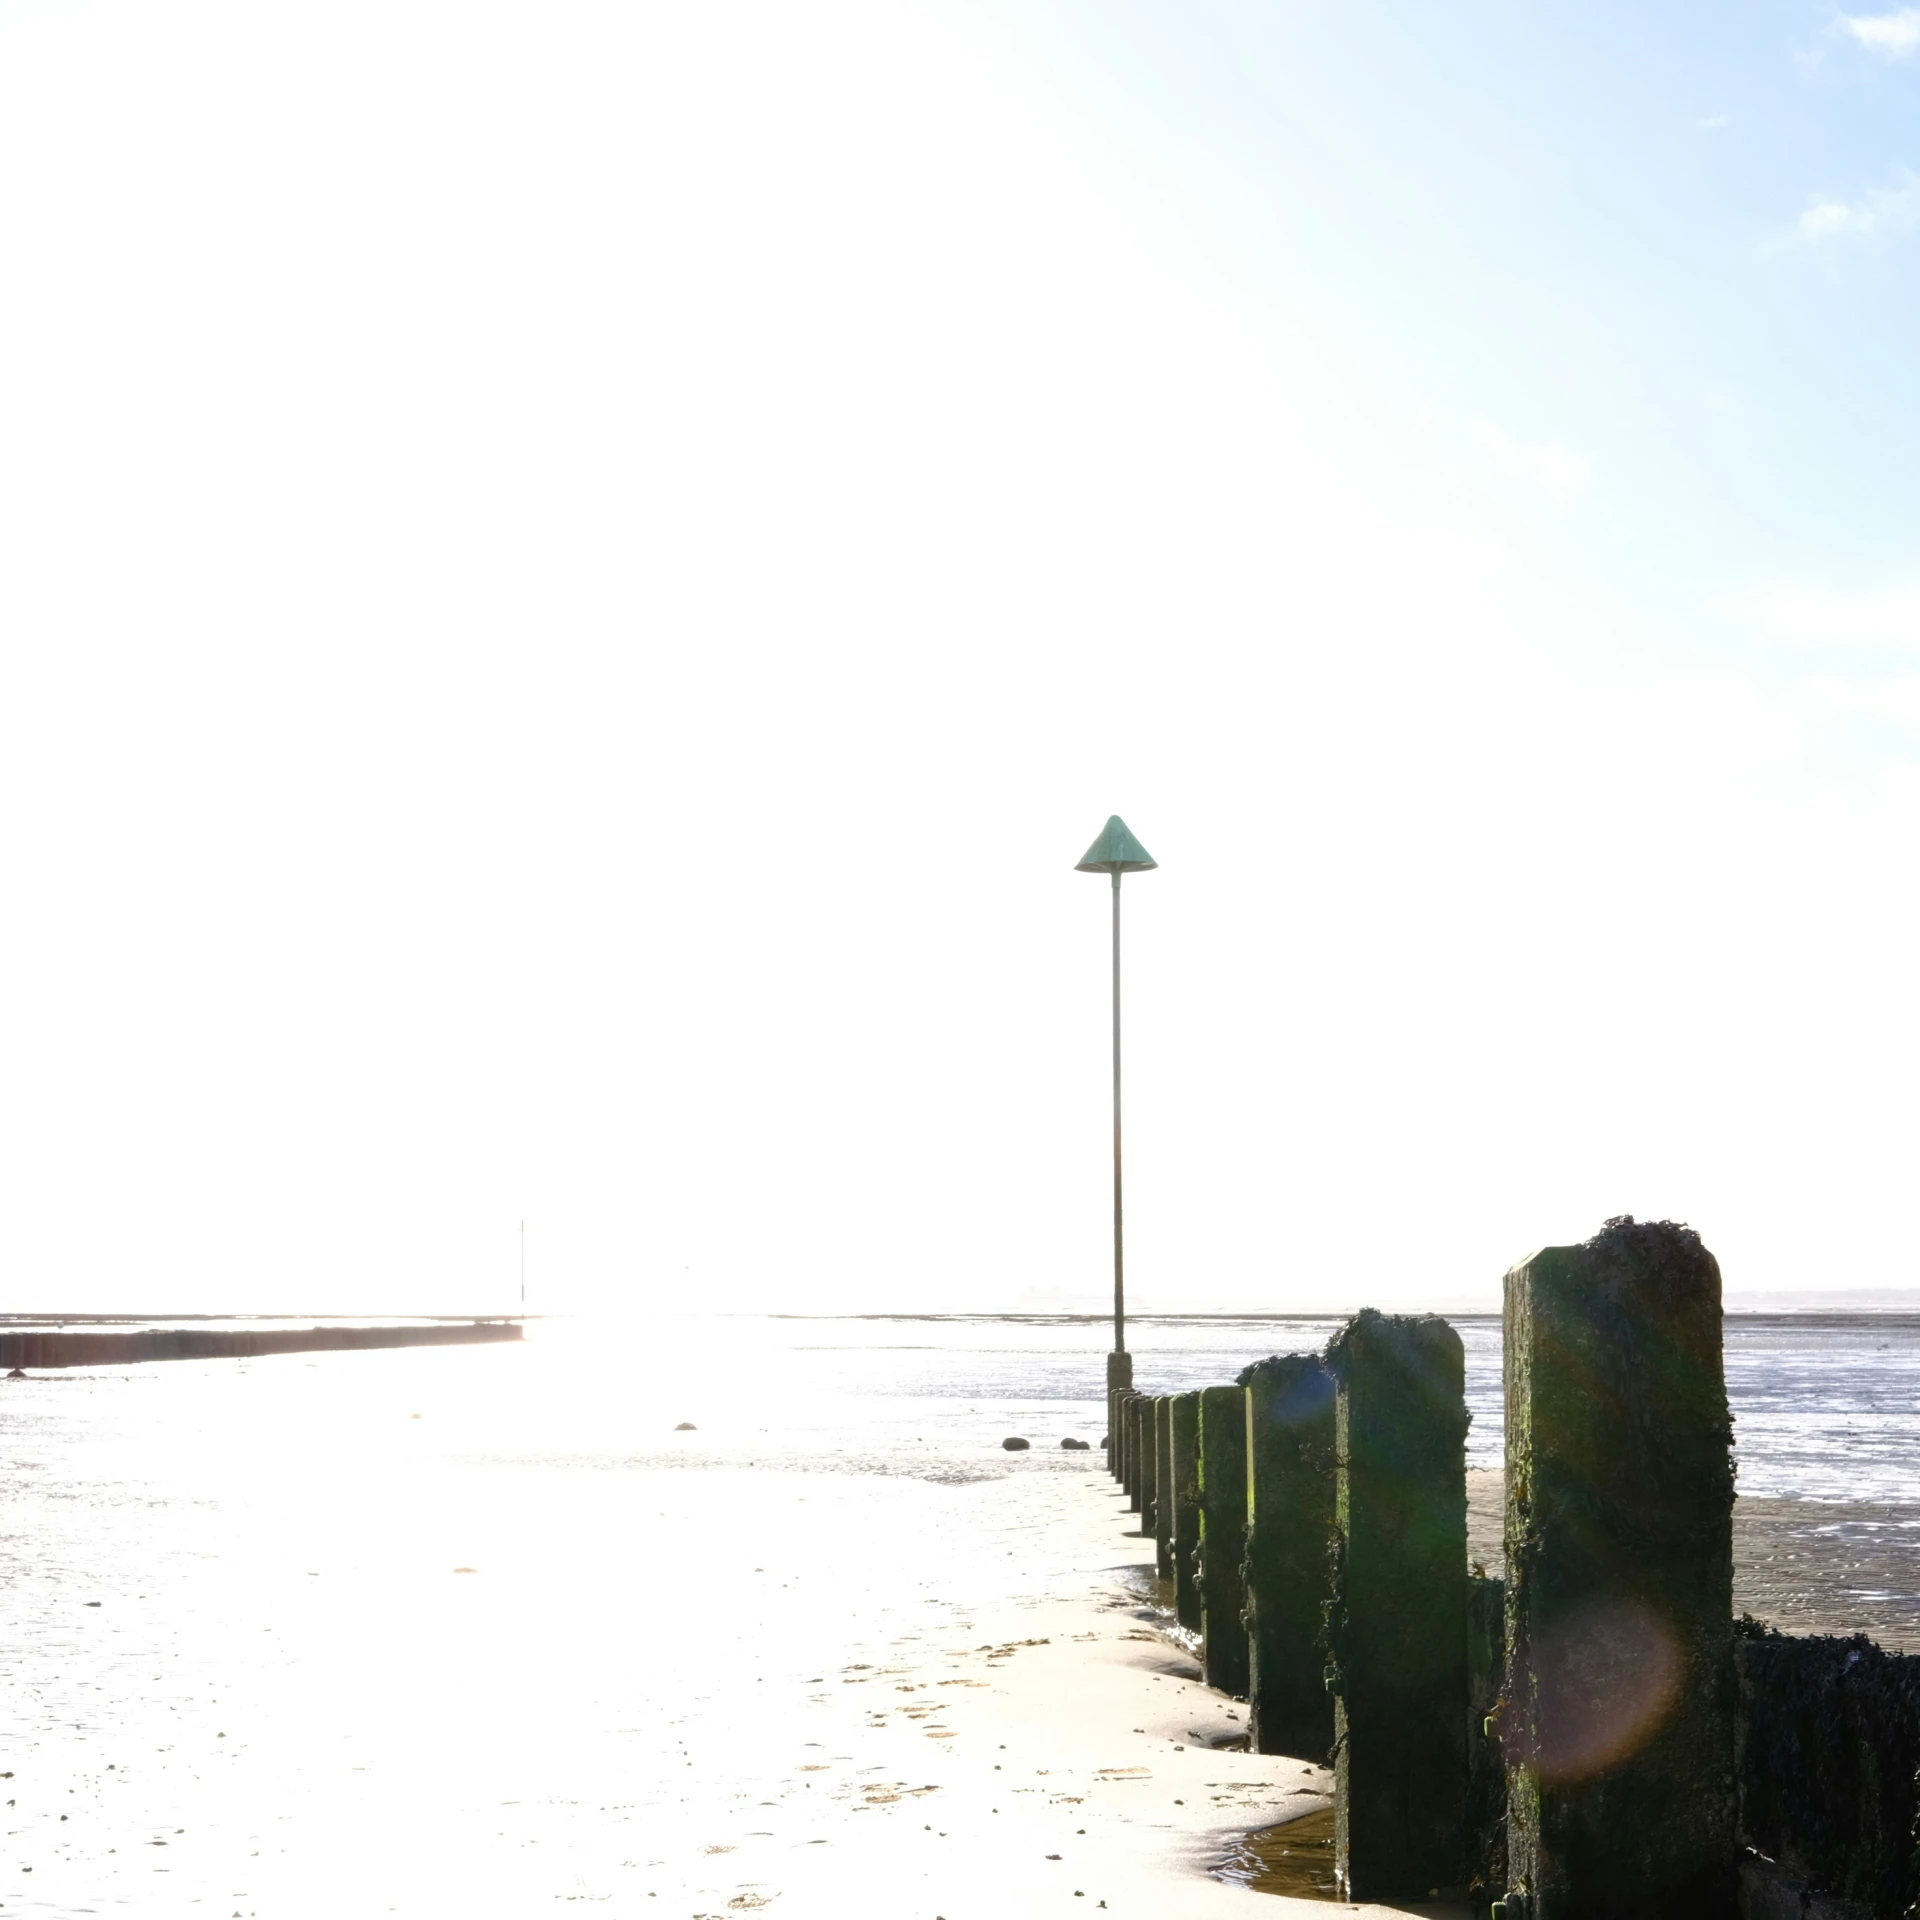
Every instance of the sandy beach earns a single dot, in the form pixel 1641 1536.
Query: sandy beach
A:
pixel 831 1692
pixel 680 1689
pixel 1050 1751
pixel 479 1633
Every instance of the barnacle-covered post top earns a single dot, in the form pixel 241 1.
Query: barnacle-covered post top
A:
pixel 1116 851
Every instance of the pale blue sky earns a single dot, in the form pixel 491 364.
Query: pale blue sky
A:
pixel 1682 241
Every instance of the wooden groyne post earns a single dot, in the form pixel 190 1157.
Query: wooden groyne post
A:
pixel 1141 1454
pixel 1119 1380
pixel 1617 1718
pixel 1397 1622
pixel 1289 1414
pixel 1183 1426
pixel 1223 1538
pixel 1163 1485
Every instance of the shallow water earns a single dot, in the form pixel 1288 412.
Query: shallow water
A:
pixel 1824 1405
pixel 1294 1858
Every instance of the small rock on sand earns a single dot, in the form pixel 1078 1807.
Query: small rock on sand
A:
pixel 686 1426
pixel 1014 1444
pixel 1075 1446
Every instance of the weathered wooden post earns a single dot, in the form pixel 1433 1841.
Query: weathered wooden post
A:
pixel 1397 1623
pixel 1143 1467
pixel 1121 1401
pixel 1618 1711
pixel 1223 1538
pixel 1289 1449
pixel 1163 1485
pixel 1119 1380
pixel 1143 1462
pixel 1139 1452
pixel 1184 1427
pixel 1486 1824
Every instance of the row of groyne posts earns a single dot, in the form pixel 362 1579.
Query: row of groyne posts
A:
pixel 1594 1734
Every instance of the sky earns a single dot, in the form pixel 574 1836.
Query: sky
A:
pixel 575 577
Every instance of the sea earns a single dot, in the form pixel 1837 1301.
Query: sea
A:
pixel 485 1629
pixel 1824 1405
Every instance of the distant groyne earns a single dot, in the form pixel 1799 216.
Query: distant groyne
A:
pixel 122 1346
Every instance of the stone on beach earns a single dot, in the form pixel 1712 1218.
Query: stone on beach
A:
pixel 1014 1444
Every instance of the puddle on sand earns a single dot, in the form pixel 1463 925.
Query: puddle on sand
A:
pixel 1295 1858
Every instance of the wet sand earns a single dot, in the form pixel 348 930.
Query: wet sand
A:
pixel 831 1695
pixel 359 1666
pixel 665 1687
pixel 1799 1565
pixel 420 1647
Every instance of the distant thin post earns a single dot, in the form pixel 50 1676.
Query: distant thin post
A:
pixel 1119 1231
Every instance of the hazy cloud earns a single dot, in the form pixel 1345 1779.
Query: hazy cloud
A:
pixel 1878 212
pixel 1831 617
pixel 1893 36
pixel 1551 465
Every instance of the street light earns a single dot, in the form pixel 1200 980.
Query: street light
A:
pixel 1116 851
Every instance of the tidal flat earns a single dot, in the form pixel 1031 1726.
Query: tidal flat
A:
pixel 481 1632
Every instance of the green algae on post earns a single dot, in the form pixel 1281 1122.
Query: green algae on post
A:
pixel 1223 1537
pixel 1397 1619
pixel 1289 1453
pixel 1618 1711
pixel 1183 1417
pixel 1829 1758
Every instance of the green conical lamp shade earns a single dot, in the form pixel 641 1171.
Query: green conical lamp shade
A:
pixel 1116 851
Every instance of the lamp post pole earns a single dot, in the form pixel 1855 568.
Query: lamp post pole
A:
pixel 1119 1225
pixel 1115 852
